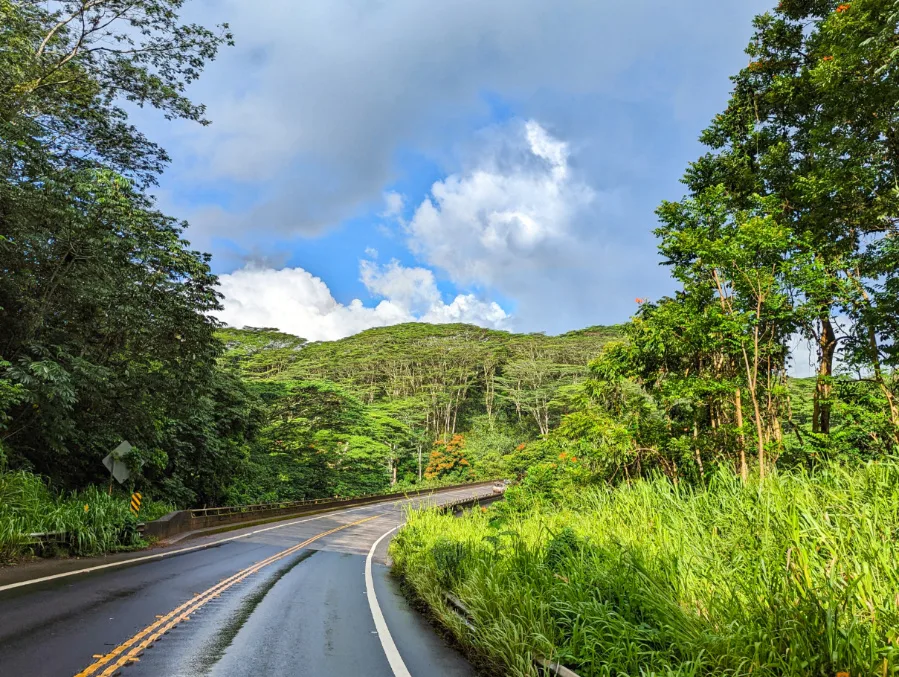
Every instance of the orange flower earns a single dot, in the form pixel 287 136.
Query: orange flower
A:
pixel 639 300
pixel 562 456
pixel 827 58
pixel 842 8
pixel 842 674
pixel 574 459
pixel 520 447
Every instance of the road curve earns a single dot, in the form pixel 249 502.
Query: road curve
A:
pixel 307 596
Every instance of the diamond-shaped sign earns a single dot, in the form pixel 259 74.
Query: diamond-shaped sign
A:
pixel 115 465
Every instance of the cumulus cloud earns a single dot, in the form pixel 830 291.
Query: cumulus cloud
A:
pixel 297 302
pixel 514 210
pixel 520 219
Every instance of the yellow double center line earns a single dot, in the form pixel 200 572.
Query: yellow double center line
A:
pixel 128 651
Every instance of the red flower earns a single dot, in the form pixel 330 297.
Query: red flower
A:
pixel 842 8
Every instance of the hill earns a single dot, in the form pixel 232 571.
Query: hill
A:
pixel 364 412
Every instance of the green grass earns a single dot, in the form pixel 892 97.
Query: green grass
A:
pixel 799 577
pixel 91 521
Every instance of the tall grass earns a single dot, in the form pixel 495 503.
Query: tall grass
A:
pixel 89 521
pixel 796 577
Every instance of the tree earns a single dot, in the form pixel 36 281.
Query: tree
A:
pixel 811 125
pixel 104 326
pixel 742 258
pixel 448 460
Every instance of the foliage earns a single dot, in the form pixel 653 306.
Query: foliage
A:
pixel 795 577
pixel 89 521
pixel 448 460
pixel 789 229
pixel 105 331
pixel 390 406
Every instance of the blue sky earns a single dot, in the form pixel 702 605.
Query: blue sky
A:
pixel 492 162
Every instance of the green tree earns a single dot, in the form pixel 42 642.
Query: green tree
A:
pixel 104 326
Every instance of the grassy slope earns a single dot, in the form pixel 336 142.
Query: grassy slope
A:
pixel 798 579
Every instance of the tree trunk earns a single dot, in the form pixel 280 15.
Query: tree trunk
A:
pixel 738 404
pixel 884 388
pixel 759 433
pixel 696 451
pixel 827 344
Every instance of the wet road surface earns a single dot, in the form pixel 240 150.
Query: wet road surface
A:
pixel 289 598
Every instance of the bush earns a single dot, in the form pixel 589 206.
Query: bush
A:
pixel 796 576
pixel 563 545
pixel 88 521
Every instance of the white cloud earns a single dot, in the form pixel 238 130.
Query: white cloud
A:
pixel 519 219
pixel 512 211
pixel 394 205
pixel 295 301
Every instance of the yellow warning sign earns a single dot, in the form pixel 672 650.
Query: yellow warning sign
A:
pixel 135 502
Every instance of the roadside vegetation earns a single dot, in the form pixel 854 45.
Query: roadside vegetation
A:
pixel 796 576
pixel 696 511
pixel 85 522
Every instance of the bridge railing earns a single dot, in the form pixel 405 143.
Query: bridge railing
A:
pixel 182 521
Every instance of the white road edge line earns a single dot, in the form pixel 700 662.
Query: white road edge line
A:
pixel 393 654
pixel 161 555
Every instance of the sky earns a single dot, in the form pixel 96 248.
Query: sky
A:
pixel 495 162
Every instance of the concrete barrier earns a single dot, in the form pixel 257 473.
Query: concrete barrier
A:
pixel 183 521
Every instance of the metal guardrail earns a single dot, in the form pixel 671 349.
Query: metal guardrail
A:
pixel 43 538
pixel 281 505
pixel 46 537
pixel 546 667
pixel 472 500
pixel 257 507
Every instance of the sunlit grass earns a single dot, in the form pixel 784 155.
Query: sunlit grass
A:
pixel 799 577
pixel 89 521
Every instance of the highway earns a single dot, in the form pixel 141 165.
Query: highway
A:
pixel 307 596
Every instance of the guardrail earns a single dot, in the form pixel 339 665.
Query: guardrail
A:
pixel 463 503
pixel 543 665
pixel 46 537
pixel 256 507
pixel 183 521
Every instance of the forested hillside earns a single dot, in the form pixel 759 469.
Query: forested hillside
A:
pixel 401 404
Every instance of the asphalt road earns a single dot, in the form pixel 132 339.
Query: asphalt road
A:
pixel 289 598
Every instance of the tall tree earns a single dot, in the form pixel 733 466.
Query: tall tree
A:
pixel 104 326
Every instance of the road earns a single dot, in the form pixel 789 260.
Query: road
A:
pixel 289 598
